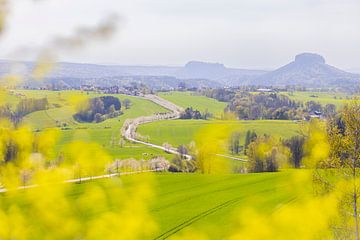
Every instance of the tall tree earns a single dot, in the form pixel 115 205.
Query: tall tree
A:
pixel 235 147
pixel 296 146
pixel 250 137
pixel 266 154
pixel 330 110
pixel 126 103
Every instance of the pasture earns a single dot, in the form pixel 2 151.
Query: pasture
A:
pixel 211 204
pixel 105 134
pixel 63 113
pixel 198 102
pixel 336 98
pixel 178 132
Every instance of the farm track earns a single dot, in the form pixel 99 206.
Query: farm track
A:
pixel 83 179
pixel 201 215
pixel 190 221
pixel 201 194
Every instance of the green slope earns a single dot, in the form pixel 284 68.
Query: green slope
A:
pixel 105 133
pixel 178 132
pixel 211 203
pixel 338 99
pixel 189 99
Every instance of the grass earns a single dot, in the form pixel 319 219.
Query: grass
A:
pixel 211 204
pixel 49 118
pixel 175 132
pixel 105 133
pixel 104 137
pixel 178 132
pixel 338 99
pixel 8 98
pixel 190 99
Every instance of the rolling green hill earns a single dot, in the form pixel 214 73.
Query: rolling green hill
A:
pixel 106 133
pixel 338 99
pixel 178 132
pixel 211 204
pixel 63 114
pixel 189 99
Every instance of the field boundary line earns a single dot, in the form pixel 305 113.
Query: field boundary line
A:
pixel 84 179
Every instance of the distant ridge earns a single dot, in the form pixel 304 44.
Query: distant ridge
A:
pixel 307 69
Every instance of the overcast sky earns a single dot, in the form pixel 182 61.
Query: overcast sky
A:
pixel 261 34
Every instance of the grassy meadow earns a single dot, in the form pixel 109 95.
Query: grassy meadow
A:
pixel 175 132
pixel 211 204
pixel 49 118
pixel 106 133
pixel 178 132
pixel 190 99
pixel 338 98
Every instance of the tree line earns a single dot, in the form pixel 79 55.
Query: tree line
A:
pixel 252 106
pixel 99 109
pixel 266 153
pixel 190 113
pixel 24 107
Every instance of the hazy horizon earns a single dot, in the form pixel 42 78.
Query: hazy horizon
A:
pixel 257 34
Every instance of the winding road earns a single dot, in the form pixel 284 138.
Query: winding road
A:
pixel 128 131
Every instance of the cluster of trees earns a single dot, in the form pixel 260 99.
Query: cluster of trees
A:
pixel 264 106
pixel 6 112
pixel 272 105
pixel 100 109
pixel 24 107
pixel 296 146
pixel 275 106
pixel 28 105
pixel 234 144
pixel 220 94
pixel 191 113
pixel 267 153
pixel 329 110
pixel 131 165
pixel 180 163
pixel 250 137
